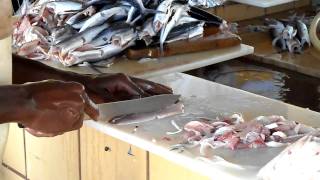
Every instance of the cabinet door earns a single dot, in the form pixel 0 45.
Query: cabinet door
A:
pixel 53 158
pixel 106 158
pixel 131 162
pixel 14 155
pixel 163 169
pixel 98 155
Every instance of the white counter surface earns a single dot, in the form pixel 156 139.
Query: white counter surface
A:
pixel 207 99
pixel 157 67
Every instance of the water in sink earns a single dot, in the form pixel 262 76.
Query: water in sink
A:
pixel 269 81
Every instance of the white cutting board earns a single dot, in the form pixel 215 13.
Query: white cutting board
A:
pixel 263 3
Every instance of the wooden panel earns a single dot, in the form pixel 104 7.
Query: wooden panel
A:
pixel 14 155
pixel 237 12
pixel 213 38
pixel 163 169
pixel 53 158
pixel 97 163
pixel 9 175
pixel 114 164
pixel 134 166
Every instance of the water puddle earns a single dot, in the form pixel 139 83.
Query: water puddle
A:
pixel 269 81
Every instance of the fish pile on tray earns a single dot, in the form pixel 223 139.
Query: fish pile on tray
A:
pixel 75 32
pixel 290 34
pixel 234 133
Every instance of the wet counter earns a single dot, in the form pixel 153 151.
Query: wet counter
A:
pixel 203 98
pixel 146 68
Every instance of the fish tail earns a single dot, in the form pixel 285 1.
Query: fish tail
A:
pixel 161 49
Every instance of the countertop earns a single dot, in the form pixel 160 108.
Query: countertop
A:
pixel 306 63
pixel 156 67
pixel 208 99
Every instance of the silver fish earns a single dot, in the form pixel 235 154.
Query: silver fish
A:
pixel 105 52
pixel 178 11
pixel 147 32
pixel 103 16
pixel 277 29
pixel 81 39
pixel 187 19
pixel 121 39
pixel 160 19
pixel 89 11
pixel 303 33
pixel 188 33
pixel 62 33
pixel 105 36
pixel 61 7
pixel 138 4
pixel 131 14
pixel 289 32
pixel 293 45
pixel 79 24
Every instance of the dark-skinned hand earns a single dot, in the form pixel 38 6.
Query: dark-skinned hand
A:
pixel 54 107
pixel 117 87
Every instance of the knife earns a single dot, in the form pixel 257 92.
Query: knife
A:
pixel 136 106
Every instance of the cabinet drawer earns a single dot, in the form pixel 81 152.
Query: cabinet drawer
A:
pixel 104 157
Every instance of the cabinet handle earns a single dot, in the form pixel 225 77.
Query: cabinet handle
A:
pixel 130 151
pixel 107 148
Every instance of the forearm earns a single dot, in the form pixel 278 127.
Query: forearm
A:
pixel 25 70
pixel 13 102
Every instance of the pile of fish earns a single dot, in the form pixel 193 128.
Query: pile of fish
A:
pixel 235 133
pixel 74 32
pixel 289 34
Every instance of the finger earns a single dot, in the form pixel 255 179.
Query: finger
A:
pixel 75 86
pixel 152 87
pixel 130 87
pixel 90 107
pixel 41 134
pixel 100 95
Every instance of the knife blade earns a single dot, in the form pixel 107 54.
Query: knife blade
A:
pixel 136 106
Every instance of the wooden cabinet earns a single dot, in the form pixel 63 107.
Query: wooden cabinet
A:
pixel 10 175
pixel 96 157
pixel 53 158
pixel 106 158
pixel 14 155
pixel 161 169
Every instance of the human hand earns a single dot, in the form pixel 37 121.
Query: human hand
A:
pixel 117 87
pixel 54 107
